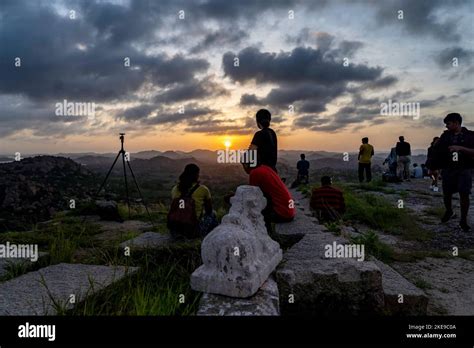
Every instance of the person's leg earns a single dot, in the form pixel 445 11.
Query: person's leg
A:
pixel 406 168
pixel 464 200
pixel 368 173
pixel 361 172
pixel 449 187
pixel 400 168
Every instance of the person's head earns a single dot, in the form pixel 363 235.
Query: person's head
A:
pixel 263 118
pixel 415 165
pixel 365 140
pixel 401 138
pixel 435 140
pixel 326 181
pixel 302 156
pixel 188 177
pixel 453 122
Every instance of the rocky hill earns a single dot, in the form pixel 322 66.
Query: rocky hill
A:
pixel 34 188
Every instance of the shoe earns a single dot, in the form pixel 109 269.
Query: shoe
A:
pixel 464 226
pixel 448 216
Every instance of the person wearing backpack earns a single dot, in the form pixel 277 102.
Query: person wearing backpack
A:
pixel 190 215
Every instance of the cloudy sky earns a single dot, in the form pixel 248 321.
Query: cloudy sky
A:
pixel 199 70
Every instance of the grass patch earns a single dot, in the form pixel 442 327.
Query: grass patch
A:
pixel 378 213
pixel 434 211
pixel 160 287
pixel 374 246
pixel 422 284
pixel 334 227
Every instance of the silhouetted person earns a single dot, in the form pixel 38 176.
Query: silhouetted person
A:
pixel 366 151
pixel 190 214
pixel 417 172
pixel 391 160
pixel 303 169
pixel 403 150
pixel 327 201
pixel 264 142
pixel 454 154
pixel 433 172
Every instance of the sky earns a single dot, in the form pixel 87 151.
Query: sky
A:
pixel 184 75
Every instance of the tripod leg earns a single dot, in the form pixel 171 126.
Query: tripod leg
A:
pixel 108 174
pixel 140 192
pixel 126 184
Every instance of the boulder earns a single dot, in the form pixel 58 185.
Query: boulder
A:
pixel 238 255
pixel 108 210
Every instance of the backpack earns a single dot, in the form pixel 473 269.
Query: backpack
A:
pixel 182 220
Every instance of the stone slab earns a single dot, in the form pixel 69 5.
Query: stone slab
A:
pixel 264 303
pixel 415 301
pixel 148 240
pixel 32 293
pixel 327 286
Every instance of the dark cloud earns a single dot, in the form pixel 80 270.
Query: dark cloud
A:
pixel 303 64
pixel 420 17
pixel 444 58
pixel 249 99
pixel 220 39
pixel 344 117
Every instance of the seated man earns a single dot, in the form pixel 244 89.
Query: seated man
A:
pixel 327 201
pixel 303 170
pixel 280 206
pixel 417 171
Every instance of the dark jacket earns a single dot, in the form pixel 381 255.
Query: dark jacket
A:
pixel 442 158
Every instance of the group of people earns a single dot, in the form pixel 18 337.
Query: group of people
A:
pixel 191 214
pixel 451 155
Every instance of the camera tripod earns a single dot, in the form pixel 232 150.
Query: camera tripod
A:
pixel 124 160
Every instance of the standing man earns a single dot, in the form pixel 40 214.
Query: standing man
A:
pixel 303 169
pixel 366 151
pixel 454 154
pixel 403 150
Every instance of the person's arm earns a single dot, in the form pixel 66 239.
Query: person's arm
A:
pixel 246 166
pixel 208 206
pixel 360 152
pixel 465 150
pixel 409 150
pixel 372 153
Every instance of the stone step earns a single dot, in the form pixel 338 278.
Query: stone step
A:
pixel 290 233
pixel 148 240
pixel 33 293
pixel 310 284
pixel 415 301
pixel 264 302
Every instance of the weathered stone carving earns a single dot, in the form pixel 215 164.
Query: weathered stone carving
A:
pixel 238 255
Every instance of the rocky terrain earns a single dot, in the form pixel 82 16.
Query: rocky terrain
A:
pixel 33 189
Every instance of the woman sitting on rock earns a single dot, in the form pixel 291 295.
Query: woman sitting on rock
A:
pixel 191 214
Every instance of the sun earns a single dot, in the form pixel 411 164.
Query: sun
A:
pixel 227 143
